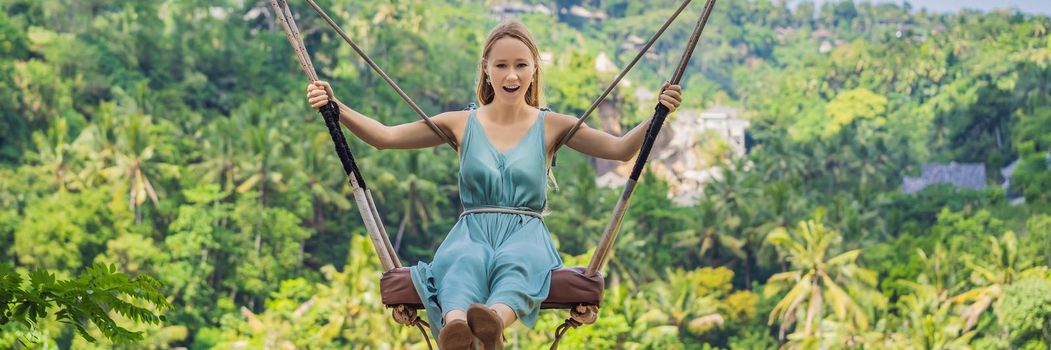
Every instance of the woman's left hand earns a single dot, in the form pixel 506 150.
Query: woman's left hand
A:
pixel 671 96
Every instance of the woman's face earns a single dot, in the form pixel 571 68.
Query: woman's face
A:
pixel 510 67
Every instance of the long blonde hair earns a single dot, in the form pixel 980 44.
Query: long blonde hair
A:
pixel 514 29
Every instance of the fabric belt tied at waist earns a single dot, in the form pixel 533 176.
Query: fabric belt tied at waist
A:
pixel 501 210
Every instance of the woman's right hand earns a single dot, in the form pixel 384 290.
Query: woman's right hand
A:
pixel 319 93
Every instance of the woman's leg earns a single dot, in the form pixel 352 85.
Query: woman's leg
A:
pixel 506 313
pixel 455 315
pixel 463 277
pixel 519 284
pixel 456 334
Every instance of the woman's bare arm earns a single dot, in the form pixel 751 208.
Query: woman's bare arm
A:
pixel 404 136
pixel 600 144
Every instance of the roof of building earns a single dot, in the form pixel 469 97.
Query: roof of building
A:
pixel 970 175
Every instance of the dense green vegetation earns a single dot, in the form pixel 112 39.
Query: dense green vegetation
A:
pixel 172 139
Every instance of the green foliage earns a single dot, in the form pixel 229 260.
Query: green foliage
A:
pixel 334 312
pixel 852 105
pixel 1036 242
pixel 844 109
pixel 818 277
pixel 1032 178
pixel 87 299
pixel 572 91
pixel 170 138
pixel 13 42
pixel 1024 313
pixel 1032 133
pixel 64 230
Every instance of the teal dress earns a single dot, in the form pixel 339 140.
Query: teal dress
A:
pixel 493 258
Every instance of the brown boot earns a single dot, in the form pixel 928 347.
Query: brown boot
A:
pixel 487 326
pixel 456 336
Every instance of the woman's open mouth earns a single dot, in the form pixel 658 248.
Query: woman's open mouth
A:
pixel 511 88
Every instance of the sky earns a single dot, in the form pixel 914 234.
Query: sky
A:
pixel 1027 6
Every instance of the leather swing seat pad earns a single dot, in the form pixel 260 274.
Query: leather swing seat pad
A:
pixel 569 288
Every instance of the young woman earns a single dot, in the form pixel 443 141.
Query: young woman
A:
pixel 495 265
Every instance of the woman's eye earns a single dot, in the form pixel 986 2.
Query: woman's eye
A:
pixel 522 65
pixel 500 65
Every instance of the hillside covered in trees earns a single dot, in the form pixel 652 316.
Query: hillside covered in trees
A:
pixel 172 139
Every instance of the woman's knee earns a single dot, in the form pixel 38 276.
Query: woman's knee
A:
pixel 474 261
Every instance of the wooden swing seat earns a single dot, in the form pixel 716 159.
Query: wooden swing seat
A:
pixel 569 288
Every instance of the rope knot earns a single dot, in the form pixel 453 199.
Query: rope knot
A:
pixel 406 316
pixel 579 315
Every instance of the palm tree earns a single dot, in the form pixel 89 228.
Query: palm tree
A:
pixel 733 196
pixel 410 181
pixel 864 155
pixel 119 146
pixel 421 200
pixel 96 145
pixel 929 320
pixel 53 151
pixel 777 203
pixel 1002 267
pixel 684 302
pixel 779 159
pixel 417 185
pixel 321 174
pixel 816 279
pixel 217 152
pixel 579 206
pixel 264 144
pixel 709 236
pixel 134 161
pixel 938 269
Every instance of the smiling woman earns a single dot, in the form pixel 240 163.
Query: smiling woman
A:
pixel 510 57
pixel 495 266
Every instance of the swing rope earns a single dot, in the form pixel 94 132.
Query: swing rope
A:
pixel 616 81
pixel 605 246
pixel 363 197
pixel 386 78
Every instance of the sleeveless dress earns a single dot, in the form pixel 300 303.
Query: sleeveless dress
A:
pixel 492 258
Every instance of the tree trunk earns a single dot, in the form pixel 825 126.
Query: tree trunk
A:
pixel 138 214
pixel 999 139
pixel 262 186
pixel 318 219
pixel 814 309
pixel 407 219
pixel 319 215
pixel 131 198
pixel 748 267
pixel 401 231
pixel 60 174
pixel 302 252
pixel 233 294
